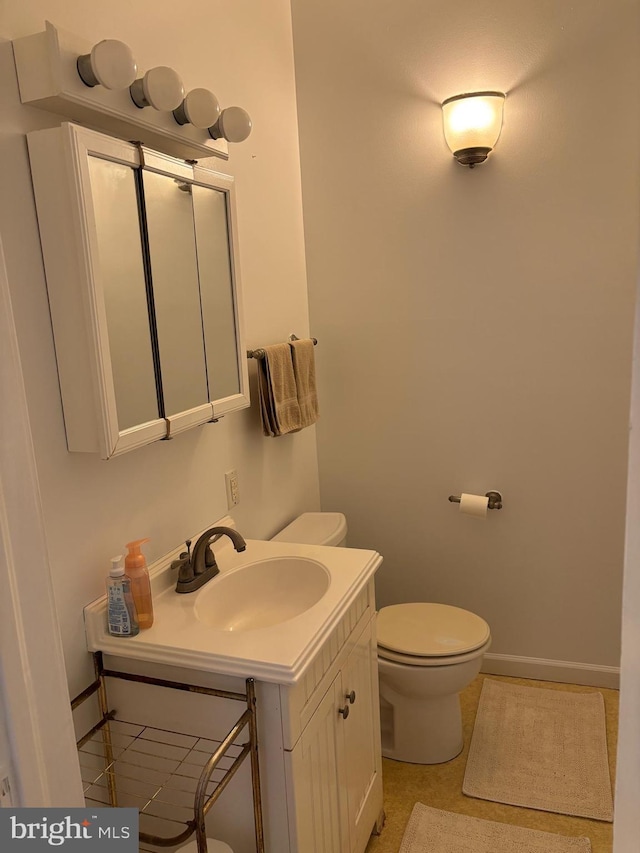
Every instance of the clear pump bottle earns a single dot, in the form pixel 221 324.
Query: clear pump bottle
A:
pixel 135 566
pixel 121 611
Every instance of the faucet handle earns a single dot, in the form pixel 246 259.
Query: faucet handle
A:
pixel 184 560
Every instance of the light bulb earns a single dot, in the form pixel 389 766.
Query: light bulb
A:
pixel 110 64
pixel 160 88
pixel 199 108
pixel 234 125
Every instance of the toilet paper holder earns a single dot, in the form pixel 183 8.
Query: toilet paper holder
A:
pixel 495 499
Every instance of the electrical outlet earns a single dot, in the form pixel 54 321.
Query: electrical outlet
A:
pixel 233 489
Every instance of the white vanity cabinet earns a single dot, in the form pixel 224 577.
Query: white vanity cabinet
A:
pixel 316 679
pixel 142 266
pixel 331 744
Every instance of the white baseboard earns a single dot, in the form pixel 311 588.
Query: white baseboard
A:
pixel 568 672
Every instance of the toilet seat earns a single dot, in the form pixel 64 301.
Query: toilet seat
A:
pixel 426 634
pixel 433 660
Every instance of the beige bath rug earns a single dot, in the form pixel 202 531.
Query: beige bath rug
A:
pixel 542 749
pixel 434 831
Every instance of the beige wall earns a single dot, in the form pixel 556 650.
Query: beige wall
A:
pixel 478 324
pixel 168 491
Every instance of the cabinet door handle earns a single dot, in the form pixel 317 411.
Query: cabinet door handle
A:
pixel 344 712
pixel 351 697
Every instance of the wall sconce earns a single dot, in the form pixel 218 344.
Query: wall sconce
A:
pixel 472 125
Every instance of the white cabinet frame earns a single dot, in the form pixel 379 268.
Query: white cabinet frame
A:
pixel 59 162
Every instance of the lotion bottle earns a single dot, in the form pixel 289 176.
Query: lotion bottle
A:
pixel 135 566
pixel 121 611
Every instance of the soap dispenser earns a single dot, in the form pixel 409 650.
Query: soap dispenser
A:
pixel 135 566
pixel 121 611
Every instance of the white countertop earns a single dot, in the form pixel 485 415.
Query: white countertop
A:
pixel 279 653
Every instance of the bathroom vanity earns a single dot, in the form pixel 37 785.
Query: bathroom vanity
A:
pixel 306 633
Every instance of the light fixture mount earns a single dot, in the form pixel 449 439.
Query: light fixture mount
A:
pixel 472 125
pixel 472 156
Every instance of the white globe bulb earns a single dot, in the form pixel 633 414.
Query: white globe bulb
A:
pixel 234 125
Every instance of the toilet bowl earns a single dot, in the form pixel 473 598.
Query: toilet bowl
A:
pixel 427 654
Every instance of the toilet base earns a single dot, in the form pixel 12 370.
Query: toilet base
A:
pixel 421 731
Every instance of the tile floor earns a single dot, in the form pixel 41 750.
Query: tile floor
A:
pixel 440 785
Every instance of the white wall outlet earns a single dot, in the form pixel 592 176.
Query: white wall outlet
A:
pixel 233 489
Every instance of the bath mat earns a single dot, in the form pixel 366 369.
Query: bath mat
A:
pixel 541 749
pixel 435 831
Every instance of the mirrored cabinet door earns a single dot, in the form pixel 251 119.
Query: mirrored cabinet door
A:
pixel 142 268
pixel 113 188
pixel 220 289
pixel 176 293
pixel 216 284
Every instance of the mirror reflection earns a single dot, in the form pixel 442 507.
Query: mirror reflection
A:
pixel 176 291
pixel 216 285
pixel 115 207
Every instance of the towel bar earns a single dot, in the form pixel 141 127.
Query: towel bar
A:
pixel 260 353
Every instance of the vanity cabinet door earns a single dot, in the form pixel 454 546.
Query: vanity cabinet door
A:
pixel 361 731
pixel 317 780
pixel 335 768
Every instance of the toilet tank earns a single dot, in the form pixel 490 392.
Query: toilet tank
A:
pixel 315 528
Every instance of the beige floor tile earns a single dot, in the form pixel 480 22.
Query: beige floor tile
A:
pixel 440 785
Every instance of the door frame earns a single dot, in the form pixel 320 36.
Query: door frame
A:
pixel 35 699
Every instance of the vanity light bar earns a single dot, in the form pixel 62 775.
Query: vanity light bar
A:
pixel 101 85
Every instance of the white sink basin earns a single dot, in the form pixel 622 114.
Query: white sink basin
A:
pixel 265 616
pixel 262 594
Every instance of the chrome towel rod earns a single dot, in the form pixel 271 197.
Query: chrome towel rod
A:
pixel 260 353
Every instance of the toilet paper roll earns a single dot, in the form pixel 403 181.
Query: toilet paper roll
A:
pixel 475 505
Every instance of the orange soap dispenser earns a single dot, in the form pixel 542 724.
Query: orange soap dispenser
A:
pixel 135 567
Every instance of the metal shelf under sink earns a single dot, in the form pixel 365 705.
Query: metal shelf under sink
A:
pixel 172 778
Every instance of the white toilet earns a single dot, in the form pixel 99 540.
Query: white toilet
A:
pixel 316 528
pixel 427 654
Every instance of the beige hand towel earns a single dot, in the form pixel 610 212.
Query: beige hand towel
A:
pixel 279 405
pixel 304 369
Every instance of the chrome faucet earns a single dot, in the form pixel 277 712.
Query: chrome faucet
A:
pixel 195 569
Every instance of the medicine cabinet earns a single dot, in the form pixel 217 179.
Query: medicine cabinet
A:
pixel 141 260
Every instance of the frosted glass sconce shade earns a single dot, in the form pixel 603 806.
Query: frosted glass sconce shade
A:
pixel 234 125
pixel 110 64
pixel 472 125
pixel 160 88
pixel 199 108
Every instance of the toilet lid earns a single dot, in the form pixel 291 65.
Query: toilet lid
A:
pixel 430 629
